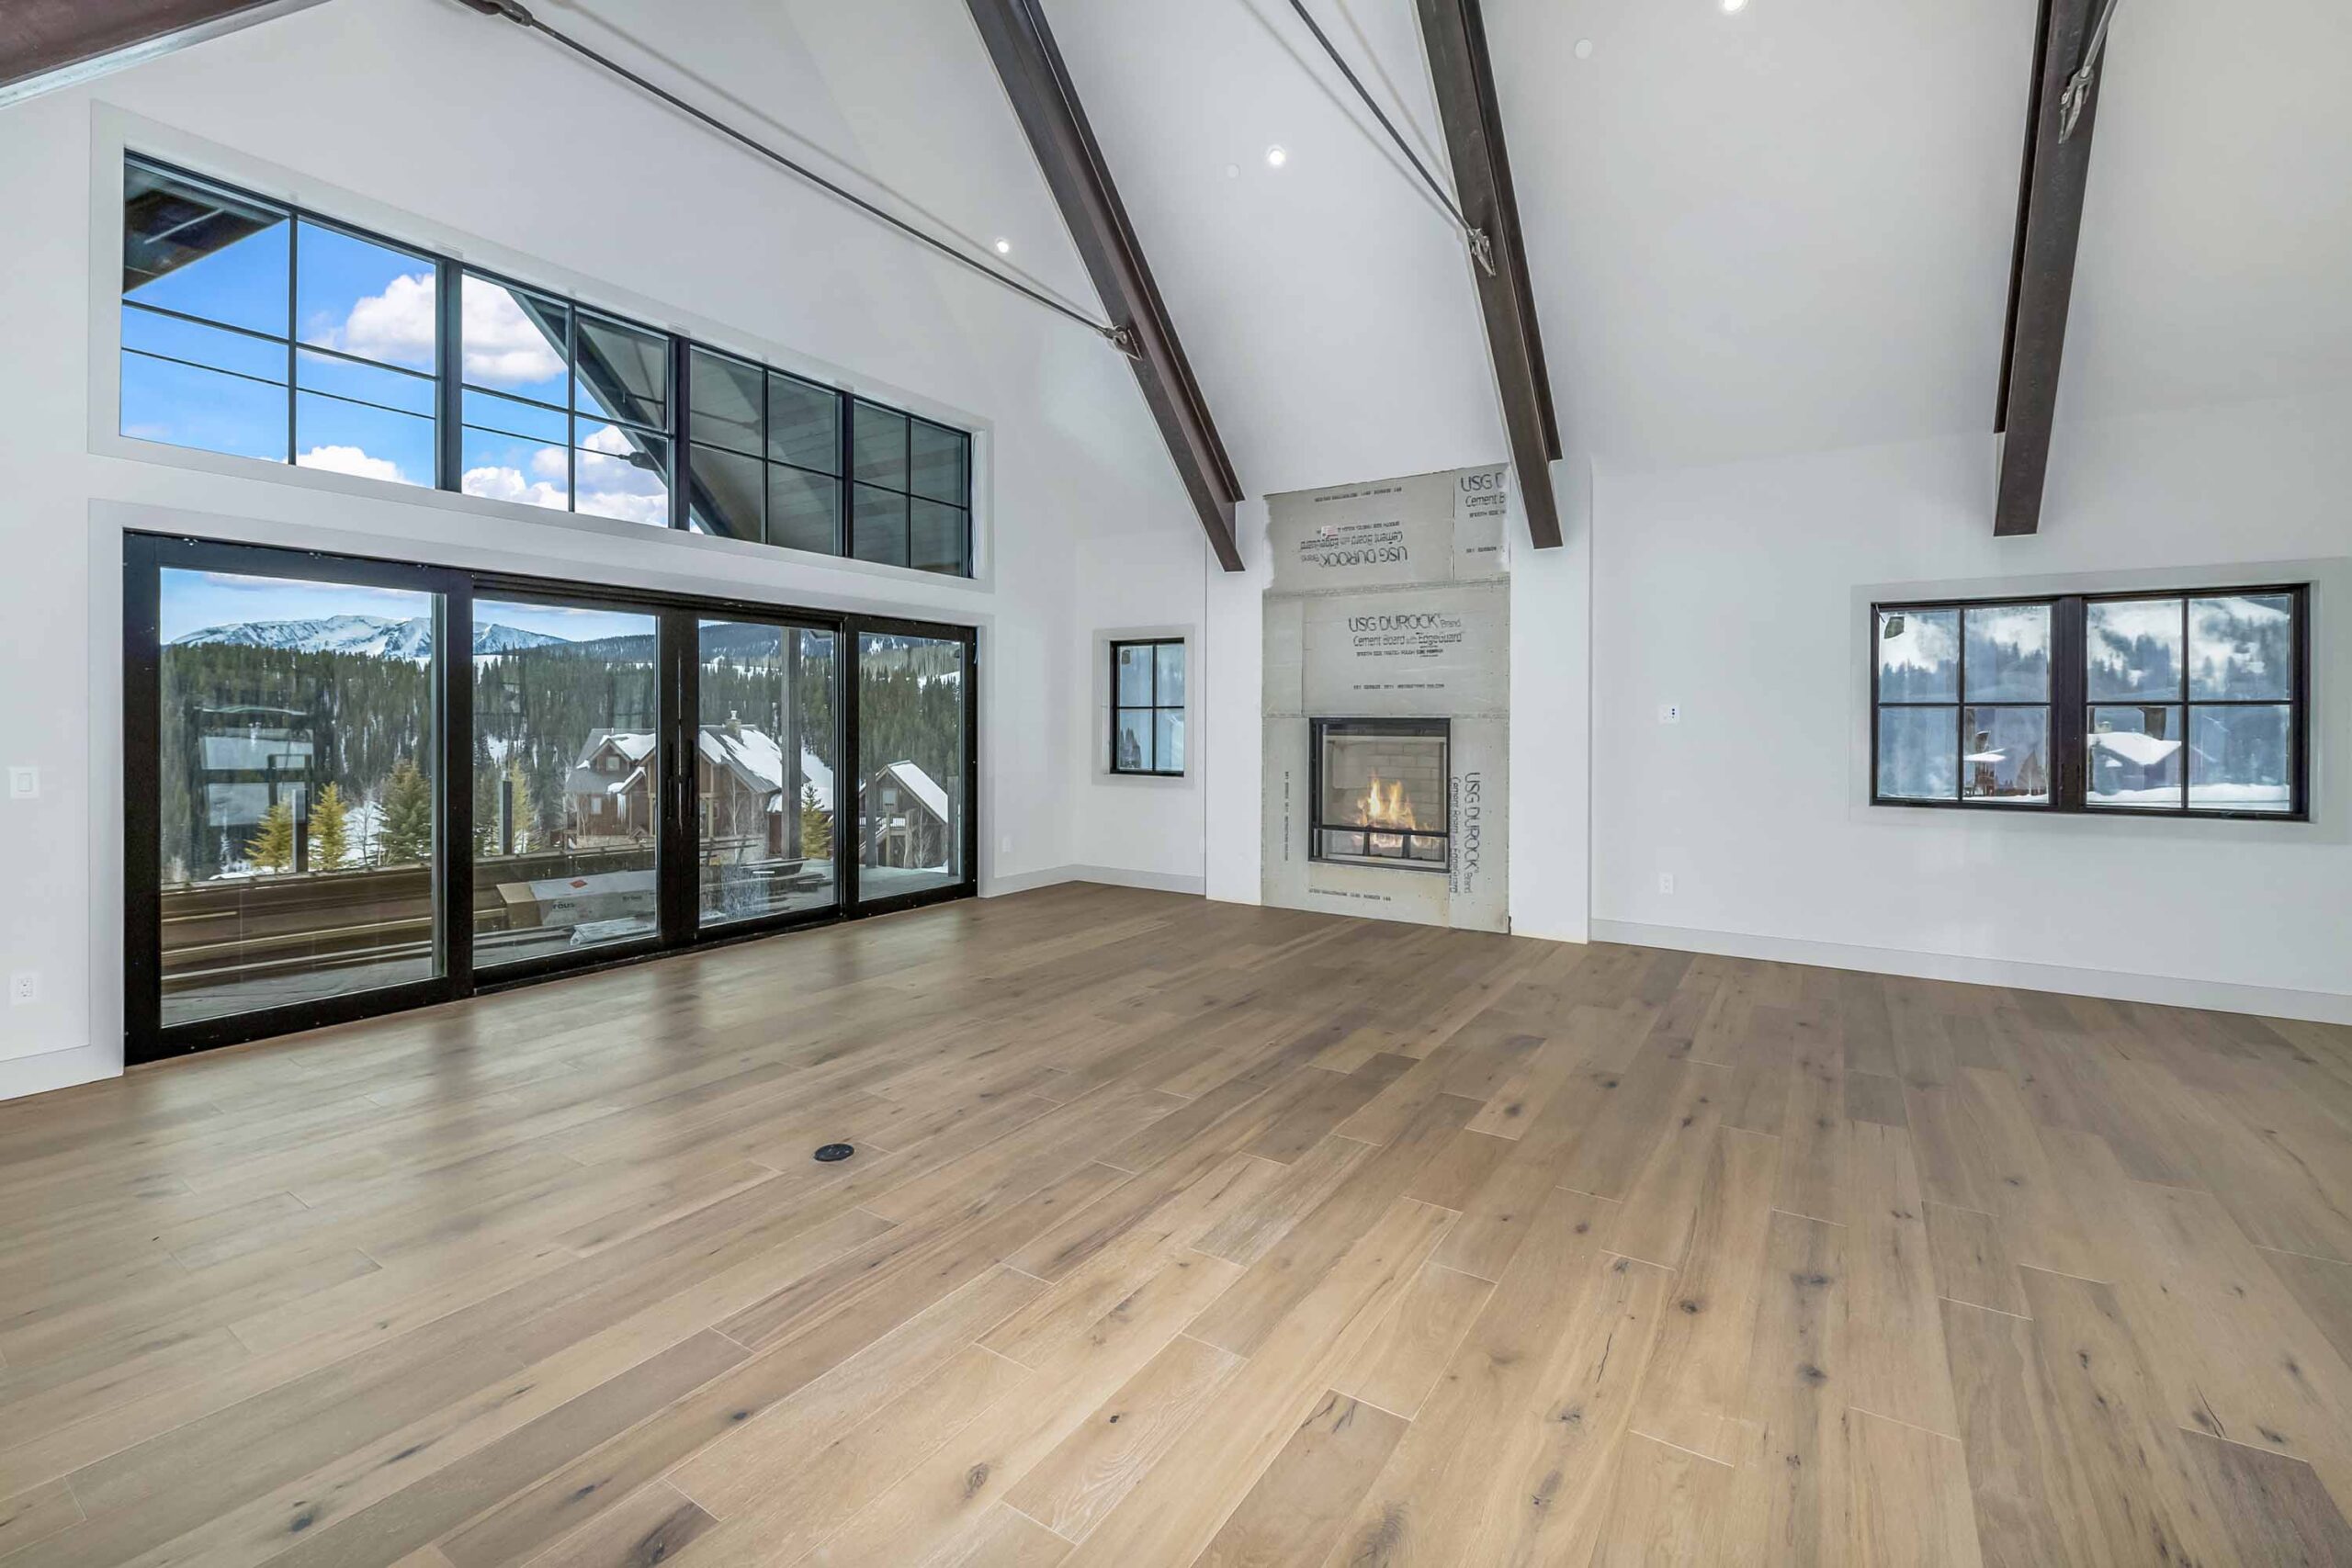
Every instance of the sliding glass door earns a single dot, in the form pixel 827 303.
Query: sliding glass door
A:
pixel 336 808
pixel 567 772
pixel 913 763
pixel 765 748
pixel 284 751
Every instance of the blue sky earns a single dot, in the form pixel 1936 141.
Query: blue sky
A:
pixel 377 302
pixel 193 601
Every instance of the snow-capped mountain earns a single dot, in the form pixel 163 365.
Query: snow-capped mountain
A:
pixel 373 635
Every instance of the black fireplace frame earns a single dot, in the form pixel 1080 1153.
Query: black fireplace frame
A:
pixel 1315 826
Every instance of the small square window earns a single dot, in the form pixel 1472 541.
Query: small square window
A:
pixel 1147 707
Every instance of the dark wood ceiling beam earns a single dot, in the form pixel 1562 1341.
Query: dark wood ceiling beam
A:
pixel 1454 35
pixel 1043 98
pixel 37 37
pixel 2041 273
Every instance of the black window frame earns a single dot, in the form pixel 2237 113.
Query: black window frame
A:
pixel 449 386
pixel 1156 708
pixel 682 926
pixel 2070 704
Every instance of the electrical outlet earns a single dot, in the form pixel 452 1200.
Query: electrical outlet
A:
pixel 1665 882
pixel 1004 845
pixel 24 783
pixel 1669 713
pixel 24 986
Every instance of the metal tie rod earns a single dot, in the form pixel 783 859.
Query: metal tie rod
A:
pixel 1122 338
pixel 1481 247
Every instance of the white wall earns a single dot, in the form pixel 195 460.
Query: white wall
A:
pixel 436 125
pixel 1733 592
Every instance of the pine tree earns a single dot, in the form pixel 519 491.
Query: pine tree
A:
pixel 406 833
pixel 816 825
pixel 330 830
pixel 272 848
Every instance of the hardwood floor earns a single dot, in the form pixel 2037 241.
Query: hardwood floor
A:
pixel 1182 1233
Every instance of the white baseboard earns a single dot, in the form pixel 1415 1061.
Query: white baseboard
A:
pixel 1115 877
pixel 2113 985
pixel 50 1070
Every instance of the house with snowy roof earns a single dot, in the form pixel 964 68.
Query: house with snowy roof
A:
pixel 749 804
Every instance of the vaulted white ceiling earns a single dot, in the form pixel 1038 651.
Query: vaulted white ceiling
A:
pixel 1781 230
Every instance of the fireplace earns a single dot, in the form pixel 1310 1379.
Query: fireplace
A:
pixel 1377 792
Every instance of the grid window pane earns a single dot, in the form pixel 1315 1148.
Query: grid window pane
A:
pixel 2133 648
pixel 728 490
pixel 804 424
pixel 623 372
pixel 2241 646
pixel 513 341
pixel 623 473
pixel 1918 755
pixel 879 532
pixel 2134 757
pixel 879 446
pixel 724 402
pixel 204 251
pixel 363 298
pixel 188 406
pixel 2242 758
pixel 2008 754
pixel 2008 653
pixel 1134 673
pixel 1918 656
pixel 1131 740
pixel 363 440
pixel 935 535
pixel 1171 675
pixel 936 462
pixel 804 510
pixel 500 466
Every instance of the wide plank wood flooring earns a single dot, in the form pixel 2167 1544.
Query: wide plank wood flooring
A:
pixel 1189 1234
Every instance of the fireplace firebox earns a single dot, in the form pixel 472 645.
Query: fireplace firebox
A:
pixel 1377 792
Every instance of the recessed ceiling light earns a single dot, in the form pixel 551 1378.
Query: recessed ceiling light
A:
pixel 1733 8
pixel 1004 248
pixel 1233 171
pixel 1584 48
pixel 1276 157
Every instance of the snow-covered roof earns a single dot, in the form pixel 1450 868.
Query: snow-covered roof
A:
pixel 2142 750
pixel 920 784
pixel 752 755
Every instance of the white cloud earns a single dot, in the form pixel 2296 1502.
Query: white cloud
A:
pixel 508 484
pixel 396 326
pixel 502 346
pixel 547 462
pixel 612 486
pixel 351 460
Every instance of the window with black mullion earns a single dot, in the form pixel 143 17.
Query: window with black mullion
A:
pixel 563 406
pixel 910 503
pixel 766 457
pixel 2192 702
pixel 1964 704
pixel 1148 706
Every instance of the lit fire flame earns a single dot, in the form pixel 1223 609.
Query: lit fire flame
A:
pixel 1384 805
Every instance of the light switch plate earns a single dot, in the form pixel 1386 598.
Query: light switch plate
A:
pixel 24 783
